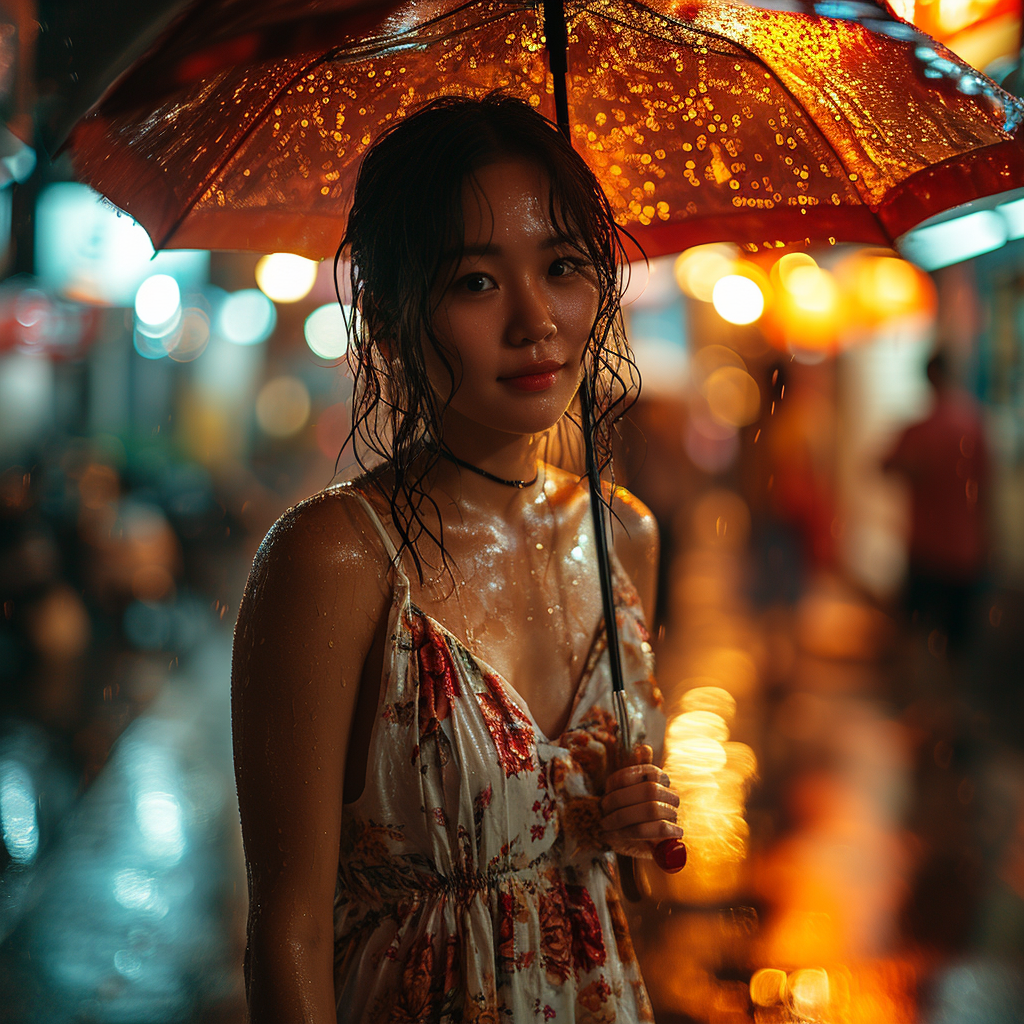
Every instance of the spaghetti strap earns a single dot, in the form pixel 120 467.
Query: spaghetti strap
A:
pixel 385 537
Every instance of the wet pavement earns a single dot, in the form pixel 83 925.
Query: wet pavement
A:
pixel 853 799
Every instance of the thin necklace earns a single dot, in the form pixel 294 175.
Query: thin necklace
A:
pixel 521 484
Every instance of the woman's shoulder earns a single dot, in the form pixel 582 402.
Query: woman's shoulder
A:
pixel 633 523
pixel 326 534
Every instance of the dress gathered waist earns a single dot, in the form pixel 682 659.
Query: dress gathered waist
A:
pixel 460 885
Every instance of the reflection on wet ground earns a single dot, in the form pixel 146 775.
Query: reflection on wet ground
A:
pixel 133 912
pixel 874 872
pixel 853 801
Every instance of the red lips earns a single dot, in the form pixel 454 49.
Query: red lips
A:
pixel 535 376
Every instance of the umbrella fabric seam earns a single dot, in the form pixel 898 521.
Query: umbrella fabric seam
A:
pixel 201 189
pixel 754 57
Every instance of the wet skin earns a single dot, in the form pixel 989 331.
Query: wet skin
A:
pixel 309 643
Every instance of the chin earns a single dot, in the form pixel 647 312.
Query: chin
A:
pixel 529 414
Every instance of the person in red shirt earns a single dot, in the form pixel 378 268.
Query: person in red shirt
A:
pixel 944 460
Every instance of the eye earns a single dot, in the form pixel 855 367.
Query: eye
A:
pixel 478 283
pixel 564 266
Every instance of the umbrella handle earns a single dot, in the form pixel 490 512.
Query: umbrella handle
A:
pixel 670 855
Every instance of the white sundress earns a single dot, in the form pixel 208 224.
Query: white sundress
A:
pixel 472 882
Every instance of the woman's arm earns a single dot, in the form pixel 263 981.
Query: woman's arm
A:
pixel 305 627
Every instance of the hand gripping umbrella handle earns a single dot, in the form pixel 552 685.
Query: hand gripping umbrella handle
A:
pixel 669 854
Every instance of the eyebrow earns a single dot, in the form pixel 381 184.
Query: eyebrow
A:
pixel 551 242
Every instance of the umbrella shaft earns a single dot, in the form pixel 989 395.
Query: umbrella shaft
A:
pixel 557 43
pixel 604 568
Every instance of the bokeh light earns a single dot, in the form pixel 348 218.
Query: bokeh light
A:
pixel 285 277
pixel 737 299
pixel 785 265
pixel 885 287
pixel 326 331
pixel 699 723
pixel 161 822
pixel 809 992
pixel 699 269
pixel 190 341
pixel 812 289
pixel 18 822
pixel 710 698
pixel 282 406
pixel 768 987
pixel 733 395
pixel 157 305
pixel 246 317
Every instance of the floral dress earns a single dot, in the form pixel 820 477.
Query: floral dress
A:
pixel 472 883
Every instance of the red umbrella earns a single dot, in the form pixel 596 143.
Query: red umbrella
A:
pixel 704 120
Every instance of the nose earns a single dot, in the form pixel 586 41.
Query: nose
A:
pixel 531 321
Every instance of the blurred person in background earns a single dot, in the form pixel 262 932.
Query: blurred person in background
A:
pixel 425 841
pixel 944 459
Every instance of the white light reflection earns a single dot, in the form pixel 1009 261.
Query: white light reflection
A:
pixel 18 820
pixel 160 820
pixel 158 304
pixel 326 330
pixel 127 963
pixel 1013 215
pixel 285 277
pixel 137 890
pixel 246 317
pixel 737 299
pixel 953 241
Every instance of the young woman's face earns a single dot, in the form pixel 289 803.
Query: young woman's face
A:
pixel 518 311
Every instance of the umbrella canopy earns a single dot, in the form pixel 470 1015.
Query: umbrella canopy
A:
pixel 704 120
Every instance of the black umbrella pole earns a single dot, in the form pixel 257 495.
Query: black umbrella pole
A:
pixel 669 854
pixel 557 41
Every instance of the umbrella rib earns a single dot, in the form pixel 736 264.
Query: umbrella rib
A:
pixel 371 50
pixel 200 190
pixel 740 46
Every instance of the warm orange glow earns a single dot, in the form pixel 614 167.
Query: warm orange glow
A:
pixel 699 269
pixel 733 396
pixel 885 288
pixel 809 992
pixel 700 723
pixel 812 290
pixel 768 987
pixel 810 311
pixel 721 518
pixel 737 299
pixel 710 698
pixel 978 31
pixel 785 265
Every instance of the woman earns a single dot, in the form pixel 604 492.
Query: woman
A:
pixel 424 746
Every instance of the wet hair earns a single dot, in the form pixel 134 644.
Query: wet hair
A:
pixel 405 233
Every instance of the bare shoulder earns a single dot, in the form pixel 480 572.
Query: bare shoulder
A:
pixel 321 561
pixel 635 535
pixel 323 534
pixel 634 527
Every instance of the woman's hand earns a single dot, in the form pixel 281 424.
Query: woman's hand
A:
pixel 638 809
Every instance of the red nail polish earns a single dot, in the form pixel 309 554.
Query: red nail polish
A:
pixel 670 855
